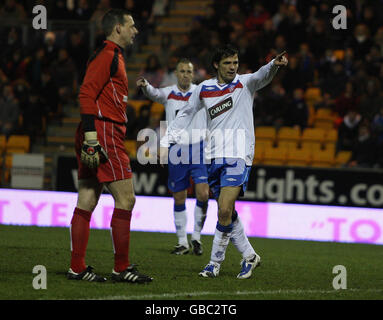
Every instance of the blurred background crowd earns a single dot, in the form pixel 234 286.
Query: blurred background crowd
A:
pixel 40 74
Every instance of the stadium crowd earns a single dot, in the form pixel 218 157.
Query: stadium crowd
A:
pixel 345 64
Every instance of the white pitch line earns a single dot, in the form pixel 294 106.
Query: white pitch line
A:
pixel 238 293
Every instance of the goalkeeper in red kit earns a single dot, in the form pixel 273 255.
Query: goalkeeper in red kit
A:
pixel 101 156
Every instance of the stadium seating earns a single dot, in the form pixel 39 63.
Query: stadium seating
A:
pixel 137 104
pixel 299 157
pixel 131 148
pixel 18 144
pixel 3 143
pixel 312 138
pixel 342 157
pixel 324 119
pixel 265 133
pixel 259 152
pixel 330 139
pixel 275 156
pixel 7 168
pixel 288 137
pixel 323 158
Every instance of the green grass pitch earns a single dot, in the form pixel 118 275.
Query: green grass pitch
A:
pixel 290 269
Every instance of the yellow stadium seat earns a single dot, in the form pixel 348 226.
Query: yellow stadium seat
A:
pixel 339 54
pixel 330 136
pixel 3 143
pixel 7 167
pixel 324 118
pixel 259 143
pixel 157 108
pixel 258 155
pixel 131 148
pixel 265 133
pixel 342 157
pixel 288 137
pixel 313 138
pixel 18 142
pixel 137 104
pixel 323 158
pixel 275 156
pixel 299 157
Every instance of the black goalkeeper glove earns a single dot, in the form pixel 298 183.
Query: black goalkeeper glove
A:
pixel 91 152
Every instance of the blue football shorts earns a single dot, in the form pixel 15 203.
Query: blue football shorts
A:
pixel 188 161
pixel 228 172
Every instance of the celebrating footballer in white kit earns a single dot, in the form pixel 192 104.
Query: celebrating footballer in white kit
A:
pixel 228 102
pixel 189 152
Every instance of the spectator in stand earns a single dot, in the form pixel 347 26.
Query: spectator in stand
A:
pixel 12 10
pixel 292 76
pixel 335 80
pixel 65 76
pixel 372 99
pixel 83 11
pixel 347 100
pixel 49 94
pixel 9 111
pixel 16 66
pixel 361 41
pixel 348 130
pixel 33 113
pixel 327 102
pixel 35 67
pixel 297 112
pixel 79 52
pixel 364 150
pixel 257 18
pixel 51 49
pixel 317 38
pixel 377 126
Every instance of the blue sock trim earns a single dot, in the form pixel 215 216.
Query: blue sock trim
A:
pixel 180 207
pixel 234 216
pixel 201 204
pixel 225 229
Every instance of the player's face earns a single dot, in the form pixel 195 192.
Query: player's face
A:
pixel 184 74
pixel 128 31
pixel 227 69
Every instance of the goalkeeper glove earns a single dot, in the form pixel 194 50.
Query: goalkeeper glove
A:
pixel 91 151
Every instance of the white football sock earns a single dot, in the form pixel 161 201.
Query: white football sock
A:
pixel 199 220
pixel 240 240
pixel 180 221
pixel 220 243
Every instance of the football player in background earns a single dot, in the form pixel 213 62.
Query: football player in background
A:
pixel 174 98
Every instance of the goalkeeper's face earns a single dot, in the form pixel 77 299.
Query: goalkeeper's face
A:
pixel 128 31
pixel 227 69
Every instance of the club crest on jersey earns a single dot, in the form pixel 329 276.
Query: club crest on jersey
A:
pixel 220 108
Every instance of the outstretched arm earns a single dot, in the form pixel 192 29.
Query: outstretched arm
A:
pixel 154 94
pixel 265 74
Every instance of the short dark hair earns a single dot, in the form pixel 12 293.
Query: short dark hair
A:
pixel 184 60
pixel 111 18
pixel 222 53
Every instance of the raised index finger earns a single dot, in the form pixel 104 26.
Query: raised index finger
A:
pixel 280 55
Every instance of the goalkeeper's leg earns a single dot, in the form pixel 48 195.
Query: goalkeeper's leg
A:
pixel 89 191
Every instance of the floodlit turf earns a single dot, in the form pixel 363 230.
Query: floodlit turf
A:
pixel 289 270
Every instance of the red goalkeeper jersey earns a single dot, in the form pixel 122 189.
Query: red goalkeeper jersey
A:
pixel 104 91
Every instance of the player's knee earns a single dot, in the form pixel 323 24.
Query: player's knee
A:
pixel 87 203
pixel 126 202
pixel 179 198
pixel 224 213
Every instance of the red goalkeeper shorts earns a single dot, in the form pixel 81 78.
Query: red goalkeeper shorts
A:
pixel 111 136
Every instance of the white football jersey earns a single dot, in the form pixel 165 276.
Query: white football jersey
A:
pixel 174 100
pixel 229 112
